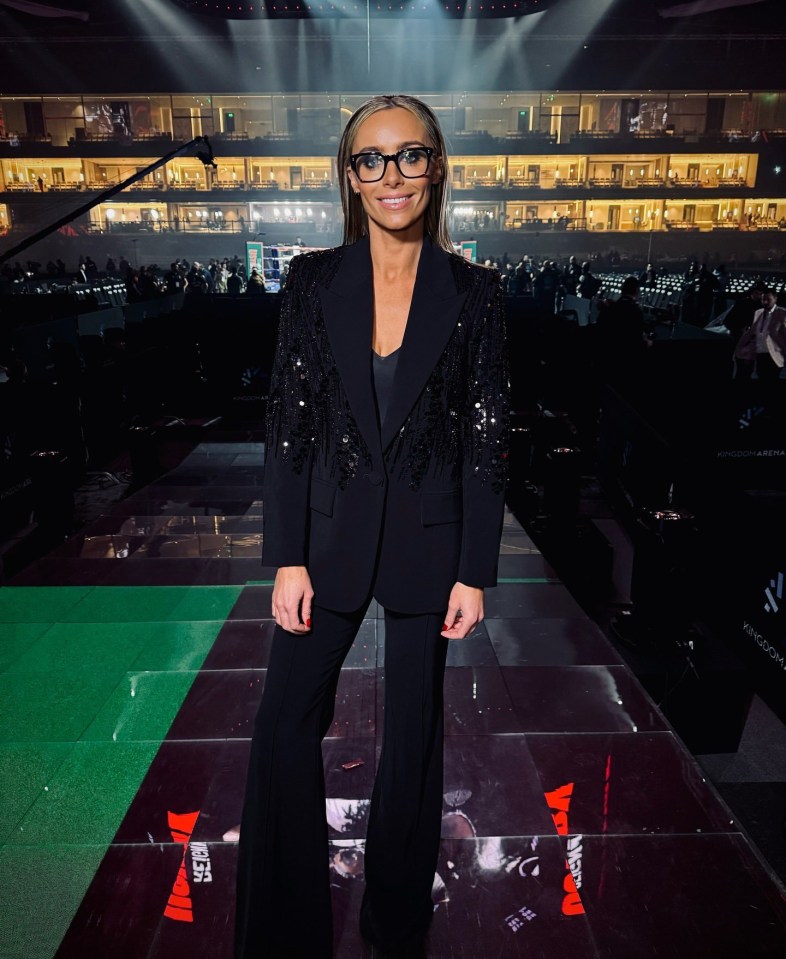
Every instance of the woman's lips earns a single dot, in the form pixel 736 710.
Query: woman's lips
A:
pixel 394 202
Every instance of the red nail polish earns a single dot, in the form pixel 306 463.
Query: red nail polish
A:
pixel 308 623
pixel 444 626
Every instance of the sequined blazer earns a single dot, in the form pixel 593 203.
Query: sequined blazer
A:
pixel 407 508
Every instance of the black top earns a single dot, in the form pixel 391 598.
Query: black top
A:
pixel 384 369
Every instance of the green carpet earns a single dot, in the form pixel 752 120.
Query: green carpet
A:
pixel 90 681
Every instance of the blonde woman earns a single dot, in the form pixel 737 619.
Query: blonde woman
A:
pixel 384 478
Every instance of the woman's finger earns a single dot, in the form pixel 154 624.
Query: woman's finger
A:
pixel 291 619
pixel 451 616
pixel 291 599
pixel 305 611
pixel 465 623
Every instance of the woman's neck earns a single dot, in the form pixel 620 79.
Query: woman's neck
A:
pixel 394 257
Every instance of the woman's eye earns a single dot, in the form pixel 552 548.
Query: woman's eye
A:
pixel 411 156
pixel 370 161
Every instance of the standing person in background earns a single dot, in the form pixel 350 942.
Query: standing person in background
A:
pixel 588 284
pixel 545 288
pixel 234 282
pixel 256 285
pixel 740 316
pixel 384 478
pixel 622 338
pixel 762 347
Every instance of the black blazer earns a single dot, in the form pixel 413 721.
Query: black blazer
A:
pixel 415 505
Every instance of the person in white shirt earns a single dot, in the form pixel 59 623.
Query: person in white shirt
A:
pixel 762 347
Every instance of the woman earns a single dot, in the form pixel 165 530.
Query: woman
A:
pixel 384 477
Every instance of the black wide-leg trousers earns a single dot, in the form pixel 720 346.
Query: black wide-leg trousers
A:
pixel 283 893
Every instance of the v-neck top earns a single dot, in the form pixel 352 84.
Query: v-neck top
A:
pixel 383 370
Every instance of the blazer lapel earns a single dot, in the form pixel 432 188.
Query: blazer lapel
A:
pixel 433 315
pixel 348 310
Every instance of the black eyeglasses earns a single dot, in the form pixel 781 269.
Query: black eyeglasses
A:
pixel 411 163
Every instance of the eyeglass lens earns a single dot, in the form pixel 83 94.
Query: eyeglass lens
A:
pixel 412 162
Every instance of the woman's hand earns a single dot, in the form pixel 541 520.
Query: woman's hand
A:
pixel 465 611
pixel 292 596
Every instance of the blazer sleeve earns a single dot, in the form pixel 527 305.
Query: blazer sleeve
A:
pixel 777 340
pixel 485 442
pixel 288 434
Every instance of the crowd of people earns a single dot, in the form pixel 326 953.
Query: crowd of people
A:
pixel 227 275
pixel 702 289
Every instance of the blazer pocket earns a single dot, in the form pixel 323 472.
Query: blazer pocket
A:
pixel 323 496
pixel 440 507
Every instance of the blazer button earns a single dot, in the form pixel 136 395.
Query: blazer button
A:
pixel 374 478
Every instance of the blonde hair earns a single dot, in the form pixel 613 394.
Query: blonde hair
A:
pixel 355 219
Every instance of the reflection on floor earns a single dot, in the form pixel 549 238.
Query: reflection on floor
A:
pixel 131 663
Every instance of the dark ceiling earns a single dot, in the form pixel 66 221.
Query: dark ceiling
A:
pixel 617 17
pixel 157 46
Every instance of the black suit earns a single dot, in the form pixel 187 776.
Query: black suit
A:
pixel 426 490
pixel 400 510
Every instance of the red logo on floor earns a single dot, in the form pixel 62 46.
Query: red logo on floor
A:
pixel 559 803
pixel 179 906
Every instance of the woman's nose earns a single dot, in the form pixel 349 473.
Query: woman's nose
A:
pixel 392 174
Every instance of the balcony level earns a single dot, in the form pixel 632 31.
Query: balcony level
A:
pixel 251 192
pixel 476 142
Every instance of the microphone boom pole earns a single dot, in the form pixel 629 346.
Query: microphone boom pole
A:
pixel 112 191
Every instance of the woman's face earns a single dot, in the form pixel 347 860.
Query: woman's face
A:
pixel 395 203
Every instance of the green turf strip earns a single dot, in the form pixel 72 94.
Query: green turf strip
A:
pixel 16 639
pixel 90 681
pixel 44 887
pixel 505 580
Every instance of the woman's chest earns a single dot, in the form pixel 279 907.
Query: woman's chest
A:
pixel 392 304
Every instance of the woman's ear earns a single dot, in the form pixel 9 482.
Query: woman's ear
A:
pixel 353 181
pixel 438 172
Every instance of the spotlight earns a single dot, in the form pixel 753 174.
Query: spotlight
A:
pixel 305 9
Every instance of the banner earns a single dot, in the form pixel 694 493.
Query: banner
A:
pixel 254 257
pixel 469 250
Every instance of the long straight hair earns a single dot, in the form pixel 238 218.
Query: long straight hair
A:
pixel 355 219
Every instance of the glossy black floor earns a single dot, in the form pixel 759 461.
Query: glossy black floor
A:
pixel 576 824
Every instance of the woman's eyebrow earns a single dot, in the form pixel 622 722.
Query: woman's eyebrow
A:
pixel 401 146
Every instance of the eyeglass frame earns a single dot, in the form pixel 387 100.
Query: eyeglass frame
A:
pixel 391 158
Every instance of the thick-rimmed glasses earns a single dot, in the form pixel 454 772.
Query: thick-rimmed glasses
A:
pixel 411 162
